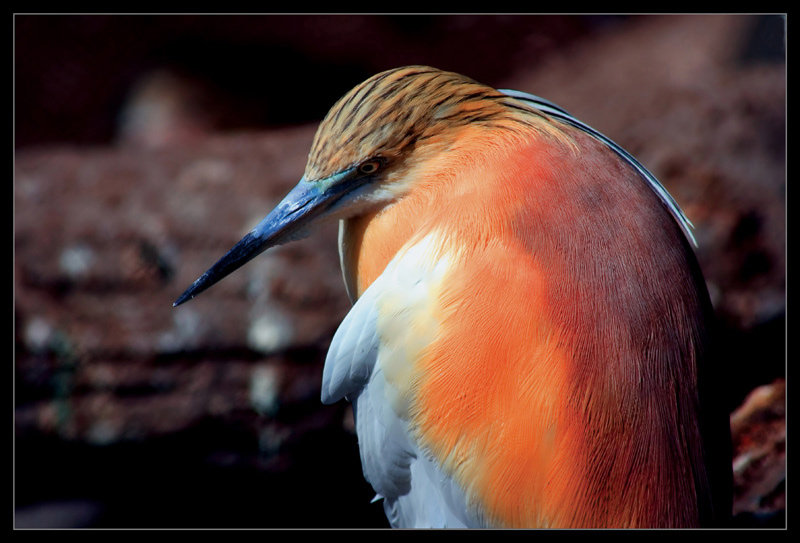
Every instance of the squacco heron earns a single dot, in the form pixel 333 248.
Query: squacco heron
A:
pixel 529 341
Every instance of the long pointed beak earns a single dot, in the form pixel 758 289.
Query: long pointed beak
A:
pixel 289 221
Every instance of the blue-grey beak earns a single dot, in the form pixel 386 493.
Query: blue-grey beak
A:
pixel 287 222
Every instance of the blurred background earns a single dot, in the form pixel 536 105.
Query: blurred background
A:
pixel 146 146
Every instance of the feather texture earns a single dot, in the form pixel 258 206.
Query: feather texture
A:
pixel 569 322
pixel 529 343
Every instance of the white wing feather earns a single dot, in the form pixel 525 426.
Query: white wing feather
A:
pixel 352 354
pixel 415 492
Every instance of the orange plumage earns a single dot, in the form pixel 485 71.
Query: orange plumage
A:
pixel 529 344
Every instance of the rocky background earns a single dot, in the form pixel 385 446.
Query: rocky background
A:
pixel 145 147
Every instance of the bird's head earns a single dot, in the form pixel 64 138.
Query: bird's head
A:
pixel 367 151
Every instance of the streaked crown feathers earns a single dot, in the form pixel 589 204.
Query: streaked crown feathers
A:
pixel 390 113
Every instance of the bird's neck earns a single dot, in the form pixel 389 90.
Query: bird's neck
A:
pixel 367 243
pixel 454 175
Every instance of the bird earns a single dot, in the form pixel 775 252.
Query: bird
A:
pixel 530 342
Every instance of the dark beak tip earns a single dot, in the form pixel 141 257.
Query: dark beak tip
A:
pixel 196 288
pixel 182 299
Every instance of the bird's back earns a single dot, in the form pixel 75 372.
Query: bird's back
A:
pixel 555 340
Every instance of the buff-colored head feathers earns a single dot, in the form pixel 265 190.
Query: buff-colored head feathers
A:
pixel 394 111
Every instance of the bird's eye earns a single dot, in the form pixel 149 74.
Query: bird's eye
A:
pixel 370 166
